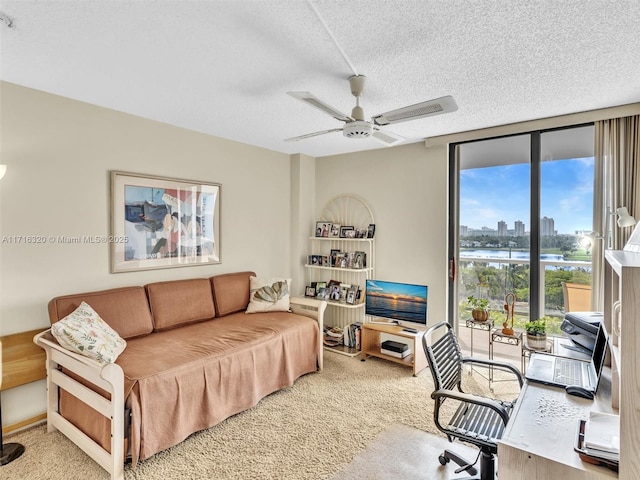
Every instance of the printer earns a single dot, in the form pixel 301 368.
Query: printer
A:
pixel 582 328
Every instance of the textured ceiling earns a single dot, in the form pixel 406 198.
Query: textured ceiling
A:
pixel 223 67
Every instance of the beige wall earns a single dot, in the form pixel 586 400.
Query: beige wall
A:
pixel 406 188
pixel 59 154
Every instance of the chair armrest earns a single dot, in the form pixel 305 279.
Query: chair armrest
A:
pixel 494 363
pixel 475 399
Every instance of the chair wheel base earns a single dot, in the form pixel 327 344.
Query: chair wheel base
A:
pixel 446 456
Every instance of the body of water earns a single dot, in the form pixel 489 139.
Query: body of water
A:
pixel 517 255
pixel 513 254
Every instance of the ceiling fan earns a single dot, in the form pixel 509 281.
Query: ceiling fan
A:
pixel 355 126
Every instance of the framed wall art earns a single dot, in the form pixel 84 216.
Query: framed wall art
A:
pixel 163 222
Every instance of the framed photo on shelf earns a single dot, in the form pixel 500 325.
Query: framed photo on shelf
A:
pixel 352 295
pixel 361 233
pixel 310 291
pixel 334 290
pixel 350 259
pixel 335 230
pixel 347 232
pixel 332 256
pixel 341 260
pixel 344 288
pixel 322 229
pixel 159 222
pixel 323 293
pixel 359 260
pixel 371 230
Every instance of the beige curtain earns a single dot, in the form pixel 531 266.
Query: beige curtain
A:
pixel 617 184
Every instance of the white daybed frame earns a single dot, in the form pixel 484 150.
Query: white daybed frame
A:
pixel 110 378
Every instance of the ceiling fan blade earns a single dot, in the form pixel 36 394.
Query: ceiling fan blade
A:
pixel 436 106
pixel 312 100
pixel 386 137
pixel 309 135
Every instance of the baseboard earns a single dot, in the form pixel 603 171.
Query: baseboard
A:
pixel 24 424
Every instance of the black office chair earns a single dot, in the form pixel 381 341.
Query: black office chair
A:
pixel 477 420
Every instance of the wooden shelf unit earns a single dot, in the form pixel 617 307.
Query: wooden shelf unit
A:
pixel 622 319
pixel 371 340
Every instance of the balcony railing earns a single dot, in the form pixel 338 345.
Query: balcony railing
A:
pixel 500 264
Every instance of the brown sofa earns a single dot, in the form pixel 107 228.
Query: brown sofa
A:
pixel 193 358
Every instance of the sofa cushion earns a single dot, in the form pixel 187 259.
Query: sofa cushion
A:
pixel 84 332
pixel 180 302
pixel 231 292
pixel 125 309
pixel 268 295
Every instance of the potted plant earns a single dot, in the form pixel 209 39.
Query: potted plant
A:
pixel 536 334
pixel 479 308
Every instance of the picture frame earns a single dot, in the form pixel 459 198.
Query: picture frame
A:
pixel 335 230
pixel 334 290
pixel 361 233
pixel 161 222
pixel 332 256
pixel 371 230
pixel 341 260
pixel 359 260
pixel 322 229
pixel 344 288
pixel 323 293
pixel 310 291
pixel 352 295
pixel 344 231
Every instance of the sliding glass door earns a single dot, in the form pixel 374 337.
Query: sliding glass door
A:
pixel 518 206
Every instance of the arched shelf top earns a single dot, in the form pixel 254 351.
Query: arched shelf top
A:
pixel 347 209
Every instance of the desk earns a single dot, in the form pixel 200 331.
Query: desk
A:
pixel 538 441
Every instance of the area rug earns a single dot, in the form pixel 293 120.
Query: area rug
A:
pixel 311 430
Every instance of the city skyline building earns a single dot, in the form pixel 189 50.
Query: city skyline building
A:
pixel 547 229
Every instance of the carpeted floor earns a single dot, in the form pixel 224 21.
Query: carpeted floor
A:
pixel 312 430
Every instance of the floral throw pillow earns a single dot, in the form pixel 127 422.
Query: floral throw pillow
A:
pixel 268 295
pixel 84 332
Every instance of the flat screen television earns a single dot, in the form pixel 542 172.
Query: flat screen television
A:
pixel 402 302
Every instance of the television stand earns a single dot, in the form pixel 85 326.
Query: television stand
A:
pixel 371 333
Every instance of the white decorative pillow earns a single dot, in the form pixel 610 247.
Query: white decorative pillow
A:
pixel 268 294
pixel 84 332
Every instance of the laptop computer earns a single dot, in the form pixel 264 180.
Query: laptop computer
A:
pixel 563 371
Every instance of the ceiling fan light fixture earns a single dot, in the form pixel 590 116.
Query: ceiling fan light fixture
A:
pixel 357 129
